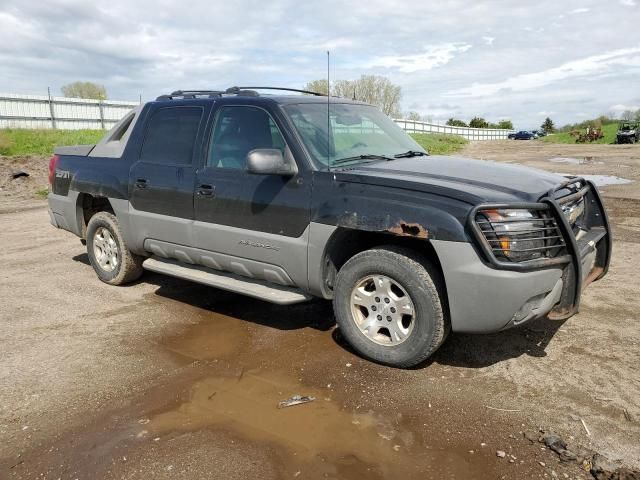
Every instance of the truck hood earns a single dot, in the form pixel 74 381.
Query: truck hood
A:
pixel 473 181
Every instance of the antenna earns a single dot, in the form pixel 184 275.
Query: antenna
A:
pixel 328 114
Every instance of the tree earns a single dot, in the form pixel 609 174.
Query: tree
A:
pixel 454 122
pixel 548 126
pixel 505 125
pixel 317 86
pixel 627 115
pixel 372 89
pixel 85 90
pixel 415 116
pixel 478 122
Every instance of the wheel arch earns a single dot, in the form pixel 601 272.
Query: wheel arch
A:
pixel 344 243
pixel 87 205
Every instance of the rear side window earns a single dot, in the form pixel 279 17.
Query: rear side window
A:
pixel 170 136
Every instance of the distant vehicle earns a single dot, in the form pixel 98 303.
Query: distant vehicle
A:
pixel 511 136
pixel 265 196
pixel 628 132
pixel 524 135
pixel 540 133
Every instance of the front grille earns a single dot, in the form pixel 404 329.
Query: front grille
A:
pixel 521 239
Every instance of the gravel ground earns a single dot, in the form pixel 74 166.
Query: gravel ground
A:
pixel 168 379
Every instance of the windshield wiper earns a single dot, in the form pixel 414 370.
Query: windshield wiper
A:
pixel 410 153
pixel 340 161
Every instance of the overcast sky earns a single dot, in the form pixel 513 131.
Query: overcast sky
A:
pixel 523 60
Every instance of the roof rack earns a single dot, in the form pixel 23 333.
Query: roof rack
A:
pixel 236 90
pixel 244 91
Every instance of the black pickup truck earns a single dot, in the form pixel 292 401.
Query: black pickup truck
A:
pixel 290 197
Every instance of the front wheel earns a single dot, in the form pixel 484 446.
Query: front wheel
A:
pixel 109 256
pixel 388 307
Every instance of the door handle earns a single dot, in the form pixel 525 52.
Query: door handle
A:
pixel 141 183
pixel 205 190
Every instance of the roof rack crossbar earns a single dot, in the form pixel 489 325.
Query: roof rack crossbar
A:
pixel 233 90
pixel 191 94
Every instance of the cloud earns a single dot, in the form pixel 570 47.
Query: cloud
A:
pixel 579 10
pixel 488 40
pixel 621 108
pixel 628 3
pixel 589 66
pixel 433 56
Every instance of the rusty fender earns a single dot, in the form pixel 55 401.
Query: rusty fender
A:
pixel 386 224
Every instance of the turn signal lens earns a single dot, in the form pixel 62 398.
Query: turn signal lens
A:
pixel 505 245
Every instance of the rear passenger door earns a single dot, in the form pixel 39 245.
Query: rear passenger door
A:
pixel 161 181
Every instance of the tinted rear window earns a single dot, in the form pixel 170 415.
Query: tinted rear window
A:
pixel 171 135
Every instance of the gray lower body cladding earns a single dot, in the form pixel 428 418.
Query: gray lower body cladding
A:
pixel 484 299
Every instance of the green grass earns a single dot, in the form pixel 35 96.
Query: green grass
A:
pixel 564 137
pixel 20 141
pixel 42 142
pixel 43 192
pixel 439 144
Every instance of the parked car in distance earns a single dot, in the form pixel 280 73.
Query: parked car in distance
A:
pixel 288 197
pixel 524 135
pixel 511 136
pixel 628 132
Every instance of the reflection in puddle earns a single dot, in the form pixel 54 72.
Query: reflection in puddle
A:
pixel 602 180
pixel 575 161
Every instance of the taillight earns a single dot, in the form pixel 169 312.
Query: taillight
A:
pixel 53 163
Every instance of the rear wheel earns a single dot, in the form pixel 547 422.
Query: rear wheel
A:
pixel 388 307
pixel 109 256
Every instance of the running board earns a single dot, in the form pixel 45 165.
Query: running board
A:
pixel 227 281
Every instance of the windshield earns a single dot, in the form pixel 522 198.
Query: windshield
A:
pixel 357 132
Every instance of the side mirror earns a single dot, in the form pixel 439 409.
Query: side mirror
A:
pixel 270 161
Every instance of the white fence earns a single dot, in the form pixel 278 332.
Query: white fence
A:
pixel 43 111
pixel 466 132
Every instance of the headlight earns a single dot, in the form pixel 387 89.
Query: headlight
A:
pixel 518 235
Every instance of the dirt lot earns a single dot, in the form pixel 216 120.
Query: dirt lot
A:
pixel 167 379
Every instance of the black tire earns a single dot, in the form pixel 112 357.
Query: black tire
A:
pixel 128 266
pixel 419 279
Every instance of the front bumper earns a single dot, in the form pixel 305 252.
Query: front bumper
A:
pixel 487 295
pixel 622 138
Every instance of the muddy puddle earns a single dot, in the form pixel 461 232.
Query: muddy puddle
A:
pixel 319 439
pixel 576 161
pixel 602 180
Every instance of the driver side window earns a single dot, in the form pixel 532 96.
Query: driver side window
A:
pixel 237 131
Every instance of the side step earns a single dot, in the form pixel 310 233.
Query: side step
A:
pixel 227 281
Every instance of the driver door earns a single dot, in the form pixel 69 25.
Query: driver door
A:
pixel 254 225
